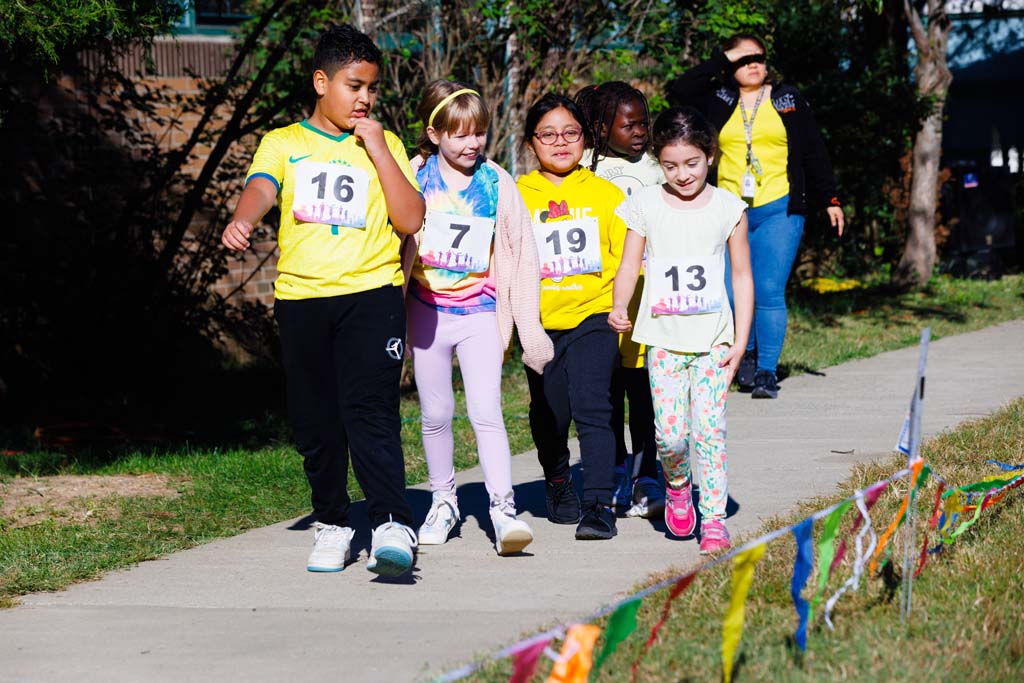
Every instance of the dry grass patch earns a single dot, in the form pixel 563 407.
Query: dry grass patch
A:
pixel 78 499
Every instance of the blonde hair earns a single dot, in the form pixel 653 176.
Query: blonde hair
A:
pixel 466 110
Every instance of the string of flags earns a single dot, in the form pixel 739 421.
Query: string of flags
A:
pixel 954 510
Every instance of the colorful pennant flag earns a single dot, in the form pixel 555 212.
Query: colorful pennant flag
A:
pixel 677 590
pixel 917 473
pixel 621 625
pixel 1005 466
pixel 732 629
pixel 801 572
pixel 932 524
pixel 869 496
pixel 575 661
pixel 826 551
pixel 524 662
pixel 861 560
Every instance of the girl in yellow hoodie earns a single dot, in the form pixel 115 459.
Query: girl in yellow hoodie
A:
pixel 579 239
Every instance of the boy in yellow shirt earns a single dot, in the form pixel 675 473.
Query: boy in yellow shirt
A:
pixel 345 186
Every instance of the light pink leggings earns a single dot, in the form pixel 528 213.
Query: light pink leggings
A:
pixel 433 336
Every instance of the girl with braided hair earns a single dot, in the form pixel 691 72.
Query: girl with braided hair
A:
pixel 618 118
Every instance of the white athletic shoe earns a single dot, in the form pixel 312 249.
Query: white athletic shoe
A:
pixel 441 519
pixel 648 499
pixel 330 548
pixel 511 535
pixel 392 549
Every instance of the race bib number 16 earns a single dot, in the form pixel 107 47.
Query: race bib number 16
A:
pixel 459 243
pixel 569 247
pixel 685 286
pixel 332 194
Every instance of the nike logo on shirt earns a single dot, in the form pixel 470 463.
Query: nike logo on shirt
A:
pixel 292 160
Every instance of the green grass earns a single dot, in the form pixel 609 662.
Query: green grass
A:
pixel 227 490
pixel 966 614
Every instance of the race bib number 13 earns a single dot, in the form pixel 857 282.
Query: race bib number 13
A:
pixel 685 286
pixel 459 243
pixel 568 247
pixel 332 194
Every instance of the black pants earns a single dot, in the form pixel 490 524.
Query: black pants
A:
pixel 343 363
pixel 634 384
pixel 576 385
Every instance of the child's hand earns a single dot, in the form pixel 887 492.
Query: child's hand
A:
pixel 732 361
pixel 371 133
pixel 618 319
pixel 236 235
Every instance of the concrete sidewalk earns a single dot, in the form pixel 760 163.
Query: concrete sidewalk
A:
pixel 245 608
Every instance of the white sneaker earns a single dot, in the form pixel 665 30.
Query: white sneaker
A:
pixel 511 535
pixel 441 519
pixel 648 499
pixel 330 548
pixel 392 549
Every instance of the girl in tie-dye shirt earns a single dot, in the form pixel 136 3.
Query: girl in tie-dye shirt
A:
pixel 474 264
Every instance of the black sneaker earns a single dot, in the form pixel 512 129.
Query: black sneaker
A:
pixel 563 503
pixel 745 374
pixel 598 524
pixel 766 385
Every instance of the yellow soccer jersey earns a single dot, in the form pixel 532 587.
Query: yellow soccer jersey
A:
pixel 334 237
pixel 579 238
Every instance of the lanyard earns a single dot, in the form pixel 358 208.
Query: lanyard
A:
pixel 748 131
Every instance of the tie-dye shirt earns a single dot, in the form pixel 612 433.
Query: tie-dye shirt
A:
pixel 447 290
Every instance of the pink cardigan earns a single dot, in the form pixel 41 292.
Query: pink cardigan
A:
pixel 516 270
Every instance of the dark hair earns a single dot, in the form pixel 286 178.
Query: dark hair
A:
pixel 737 38
pixel 343 45
pixel 600 105
pixel 684 125
pixel 548 103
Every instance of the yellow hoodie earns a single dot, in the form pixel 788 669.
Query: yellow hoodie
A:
pixel 566 301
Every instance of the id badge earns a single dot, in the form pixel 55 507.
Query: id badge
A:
pixel 748 186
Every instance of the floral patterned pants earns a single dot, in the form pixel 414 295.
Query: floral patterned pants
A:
pixel 689 391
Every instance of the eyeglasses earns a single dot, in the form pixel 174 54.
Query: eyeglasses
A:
pixel 570 136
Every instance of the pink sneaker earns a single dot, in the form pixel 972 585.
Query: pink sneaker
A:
pixel 713 537
pixel 680 516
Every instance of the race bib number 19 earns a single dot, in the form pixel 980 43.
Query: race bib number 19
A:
pixel 332 194
pixel 568 247
pixel 459 243
pixel 686 286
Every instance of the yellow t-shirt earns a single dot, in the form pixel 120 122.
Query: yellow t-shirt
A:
pixel 770 145
pixel 566 301
pixel 356 250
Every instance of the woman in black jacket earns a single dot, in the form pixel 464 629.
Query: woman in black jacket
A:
pixel 774 157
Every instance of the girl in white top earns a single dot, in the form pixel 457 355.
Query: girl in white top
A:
pixel 693 347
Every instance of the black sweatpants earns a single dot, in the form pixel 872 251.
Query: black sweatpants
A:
pixel 343 363
pixel 634 384
pixel 576 385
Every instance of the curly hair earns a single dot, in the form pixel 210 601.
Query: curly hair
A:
pixel 342 45
pixel 600 105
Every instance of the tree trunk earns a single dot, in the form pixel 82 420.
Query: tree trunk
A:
pixel 933 78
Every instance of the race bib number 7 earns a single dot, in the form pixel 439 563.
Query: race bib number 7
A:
pixel 332 194
pixel 568 247
pixel 459 243
pixel 685 286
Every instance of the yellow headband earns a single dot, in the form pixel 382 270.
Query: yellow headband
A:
pixel 440 105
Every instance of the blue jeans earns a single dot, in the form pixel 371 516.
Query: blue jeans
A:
pixel 774 238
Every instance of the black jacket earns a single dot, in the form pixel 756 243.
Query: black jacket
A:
pixel 710 88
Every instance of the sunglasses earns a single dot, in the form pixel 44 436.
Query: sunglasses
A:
pixel 749 59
